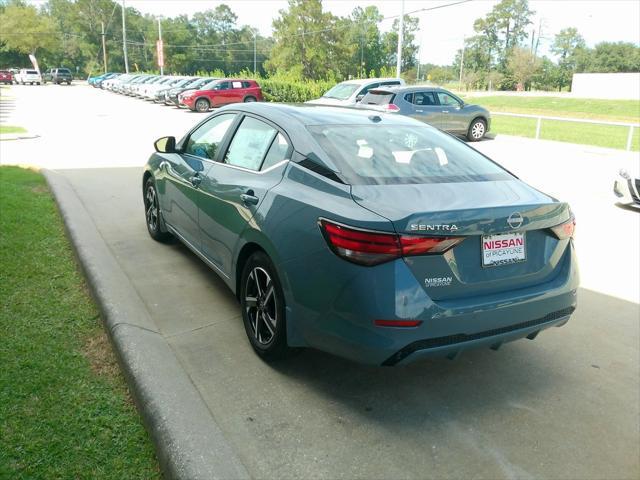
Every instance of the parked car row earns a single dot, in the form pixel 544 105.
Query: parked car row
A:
pixel 32 76
pixel 195 93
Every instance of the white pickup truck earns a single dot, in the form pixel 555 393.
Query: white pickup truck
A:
pixel 26 75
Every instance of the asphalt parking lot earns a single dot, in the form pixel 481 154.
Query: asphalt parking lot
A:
pixel 566 405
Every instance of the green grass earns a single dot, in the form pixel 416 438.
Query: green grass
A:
pixel 583 133
pixel 65 411
pixel 594 109
pixel 11 129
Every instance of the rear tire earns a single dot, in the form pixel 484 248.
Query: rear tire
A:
pixel 477 130
pixel 250 99
pixel 152 212
pixel 263 308
pixel 202 105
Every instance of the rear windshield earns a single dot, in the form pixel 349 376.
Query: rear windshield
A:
pixel 378 97
pixel 63 70
pixel 342 91
pixel 395 154
pixel 32 72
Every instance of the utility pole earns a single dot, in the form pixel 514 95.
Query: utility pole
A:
pixel 104 49
pixel 160 47
pixel 255 63
pixel 462 61
pixel 124 39
pixel 400 41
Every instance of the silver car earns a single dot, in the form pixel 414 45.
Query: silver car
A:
pixel 432 105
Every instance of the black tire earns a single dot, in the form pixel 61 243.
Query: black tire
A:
pixel 250 99
pixel 152 212
pixel 202 105
pixel 69 83
pixel 477 130
pixel 263 308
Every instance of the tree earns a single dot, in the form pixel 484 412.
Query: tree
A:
pixel 522 65
pixel 409 49
pixel 25 31
pixel 365 40
pixel 567 45
pixel 305 41
pixel 606 57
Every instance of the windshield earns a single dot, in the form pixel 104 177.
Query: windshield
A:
pixel 380 154
pixel 342 91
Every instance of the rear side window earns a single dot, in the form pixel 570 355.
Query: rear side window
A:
pixel 278 151
pixel 424 98
pixel 403 154
pixel 205 141
pixel 250 144
pixel 246 84
pixel 378 97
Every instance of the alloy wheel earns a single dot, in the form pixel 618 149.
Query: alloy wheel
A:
pixel 261 305
pixel 151 208
pixel 477 131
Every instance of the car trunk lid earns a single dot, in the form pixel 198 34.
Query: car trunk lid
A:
pixel 476 211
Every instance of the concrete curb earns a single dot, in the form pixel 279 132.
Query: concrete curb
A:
pixel 188 442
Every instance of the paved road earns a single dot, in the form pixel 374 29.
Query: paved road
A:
pixel 566 405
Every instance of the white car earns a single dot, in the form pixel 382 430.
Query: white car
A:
pixel 350 92
pixel 28 76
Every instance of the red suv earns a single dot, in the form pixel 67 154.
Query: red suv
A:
pixel 222 92
pixel 6 77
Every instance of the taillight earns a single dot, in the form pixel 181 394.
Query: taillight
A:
pixel 372 248
pixel 397 323
pixel 392 107
pixel 565 230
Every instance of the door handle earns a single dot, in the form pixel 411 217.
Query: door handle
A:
pixel 196 180
pixel 445 111
pixel 249 198
pixel 419 111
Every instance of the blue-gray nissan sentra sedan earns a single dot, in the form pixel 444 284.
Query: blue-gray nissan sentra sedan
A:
pixel 370 236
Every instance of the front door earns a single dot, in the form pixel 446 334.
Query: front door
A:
pixel 184 173
pixel 453 118
pixel 234 187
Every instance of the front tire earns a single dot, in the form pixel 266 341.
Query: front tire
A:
pixel 477 130
pixel 202 105
pixel 250 99
pixel 263 308
pixel 152 212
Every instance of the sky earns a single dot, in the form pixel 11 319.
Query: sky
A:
pixel 441 30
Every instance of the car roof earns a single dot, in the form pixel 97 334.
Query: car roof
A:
pixel 409 89
pixel 364 81
pixel 310 114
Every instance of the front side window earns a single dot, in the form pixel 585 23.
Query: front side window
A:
pixel 250 144
pixel 403 154
pixel 447 100
pixel 205 140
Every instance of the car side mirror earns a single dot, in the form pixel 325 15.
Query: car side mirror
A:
pixel 165 145
pixel 360 97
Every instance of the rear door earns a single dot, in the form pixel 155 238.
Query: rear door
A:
pixel 425 107
pixel 234 188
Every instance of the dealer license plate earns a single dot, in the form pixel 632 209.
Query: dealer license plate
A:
pixel 503 249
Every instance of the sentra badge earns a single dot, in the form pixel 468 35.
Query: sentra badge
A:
pixel 443 227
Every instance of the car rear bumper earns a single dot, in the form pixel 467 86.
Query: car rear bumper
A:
pixel 346 328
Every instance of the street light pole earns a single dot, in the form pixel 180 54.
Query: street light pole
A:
pixel 104 49
pixel 255 34
pixel 124 39
pixel 400 41
pixel 464 40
